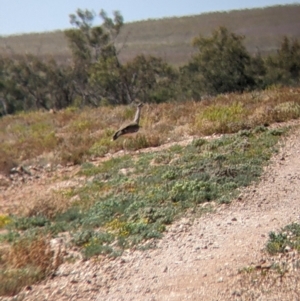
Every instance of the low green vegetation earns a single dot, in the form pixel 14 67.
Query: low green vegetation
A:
pixel 222 119
pixel 287 238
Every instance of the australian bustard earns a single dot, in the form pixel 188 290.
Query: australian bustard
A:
pixel 132 127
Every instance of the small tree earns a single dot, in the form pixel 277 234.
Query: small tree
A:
pixel 150 79
pixel 92 46
pixel 27 80
pixel 99 74
pixel 60 88
pixel 284 67
pixel 257 70
pixel 107 81
pixel 191 81
pixel 222 62
pixel 88 43
pixel 11 97
pixel 29 83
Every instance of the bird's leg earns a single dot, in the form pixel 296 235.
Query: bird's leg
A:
pixel 124 145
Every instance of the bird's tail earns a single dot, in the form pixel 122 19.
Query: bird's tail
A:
pixel 117 134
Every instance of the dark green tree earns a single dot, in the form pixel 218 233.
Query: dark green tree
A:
pixel 222 62
pixel 27 81
pixel 155 80
pixel 191 81
pixel 258 70
pixel 149 79
pixel 11 98
pixel 108 82
pixel 284 66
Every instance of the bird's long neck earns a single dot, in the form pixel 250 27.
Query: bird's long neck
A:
pixel 137 115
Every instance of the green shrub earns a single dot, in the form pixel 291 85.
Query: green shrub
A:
pixel 289 236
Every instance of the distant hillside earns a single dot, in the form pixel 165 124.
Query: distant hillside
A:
pixel 170 38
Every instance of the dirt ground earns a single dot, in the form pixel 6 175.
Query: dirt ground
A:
pixel 199 258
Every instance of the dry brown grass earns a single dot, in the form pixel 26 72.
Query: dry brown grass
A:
pixel 27 261
pixel 35 252
pixel 6 162
pixel 74 135
pixel 49 208
pixel 279 280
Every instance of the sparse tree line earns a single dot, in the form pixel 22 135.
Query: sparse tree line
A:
pixel 96 76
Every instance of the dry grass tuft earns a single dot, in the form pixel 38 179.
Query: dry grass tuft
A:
pixel 35 252
pixel 7 162
pixel 273 282
pixel 27 261
pixel 48 208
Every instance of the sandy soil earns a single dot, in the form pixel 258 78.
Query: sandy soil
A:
pixel 199 258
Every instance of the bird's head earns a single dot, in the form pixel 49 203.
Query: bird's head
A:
pixel 138 103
